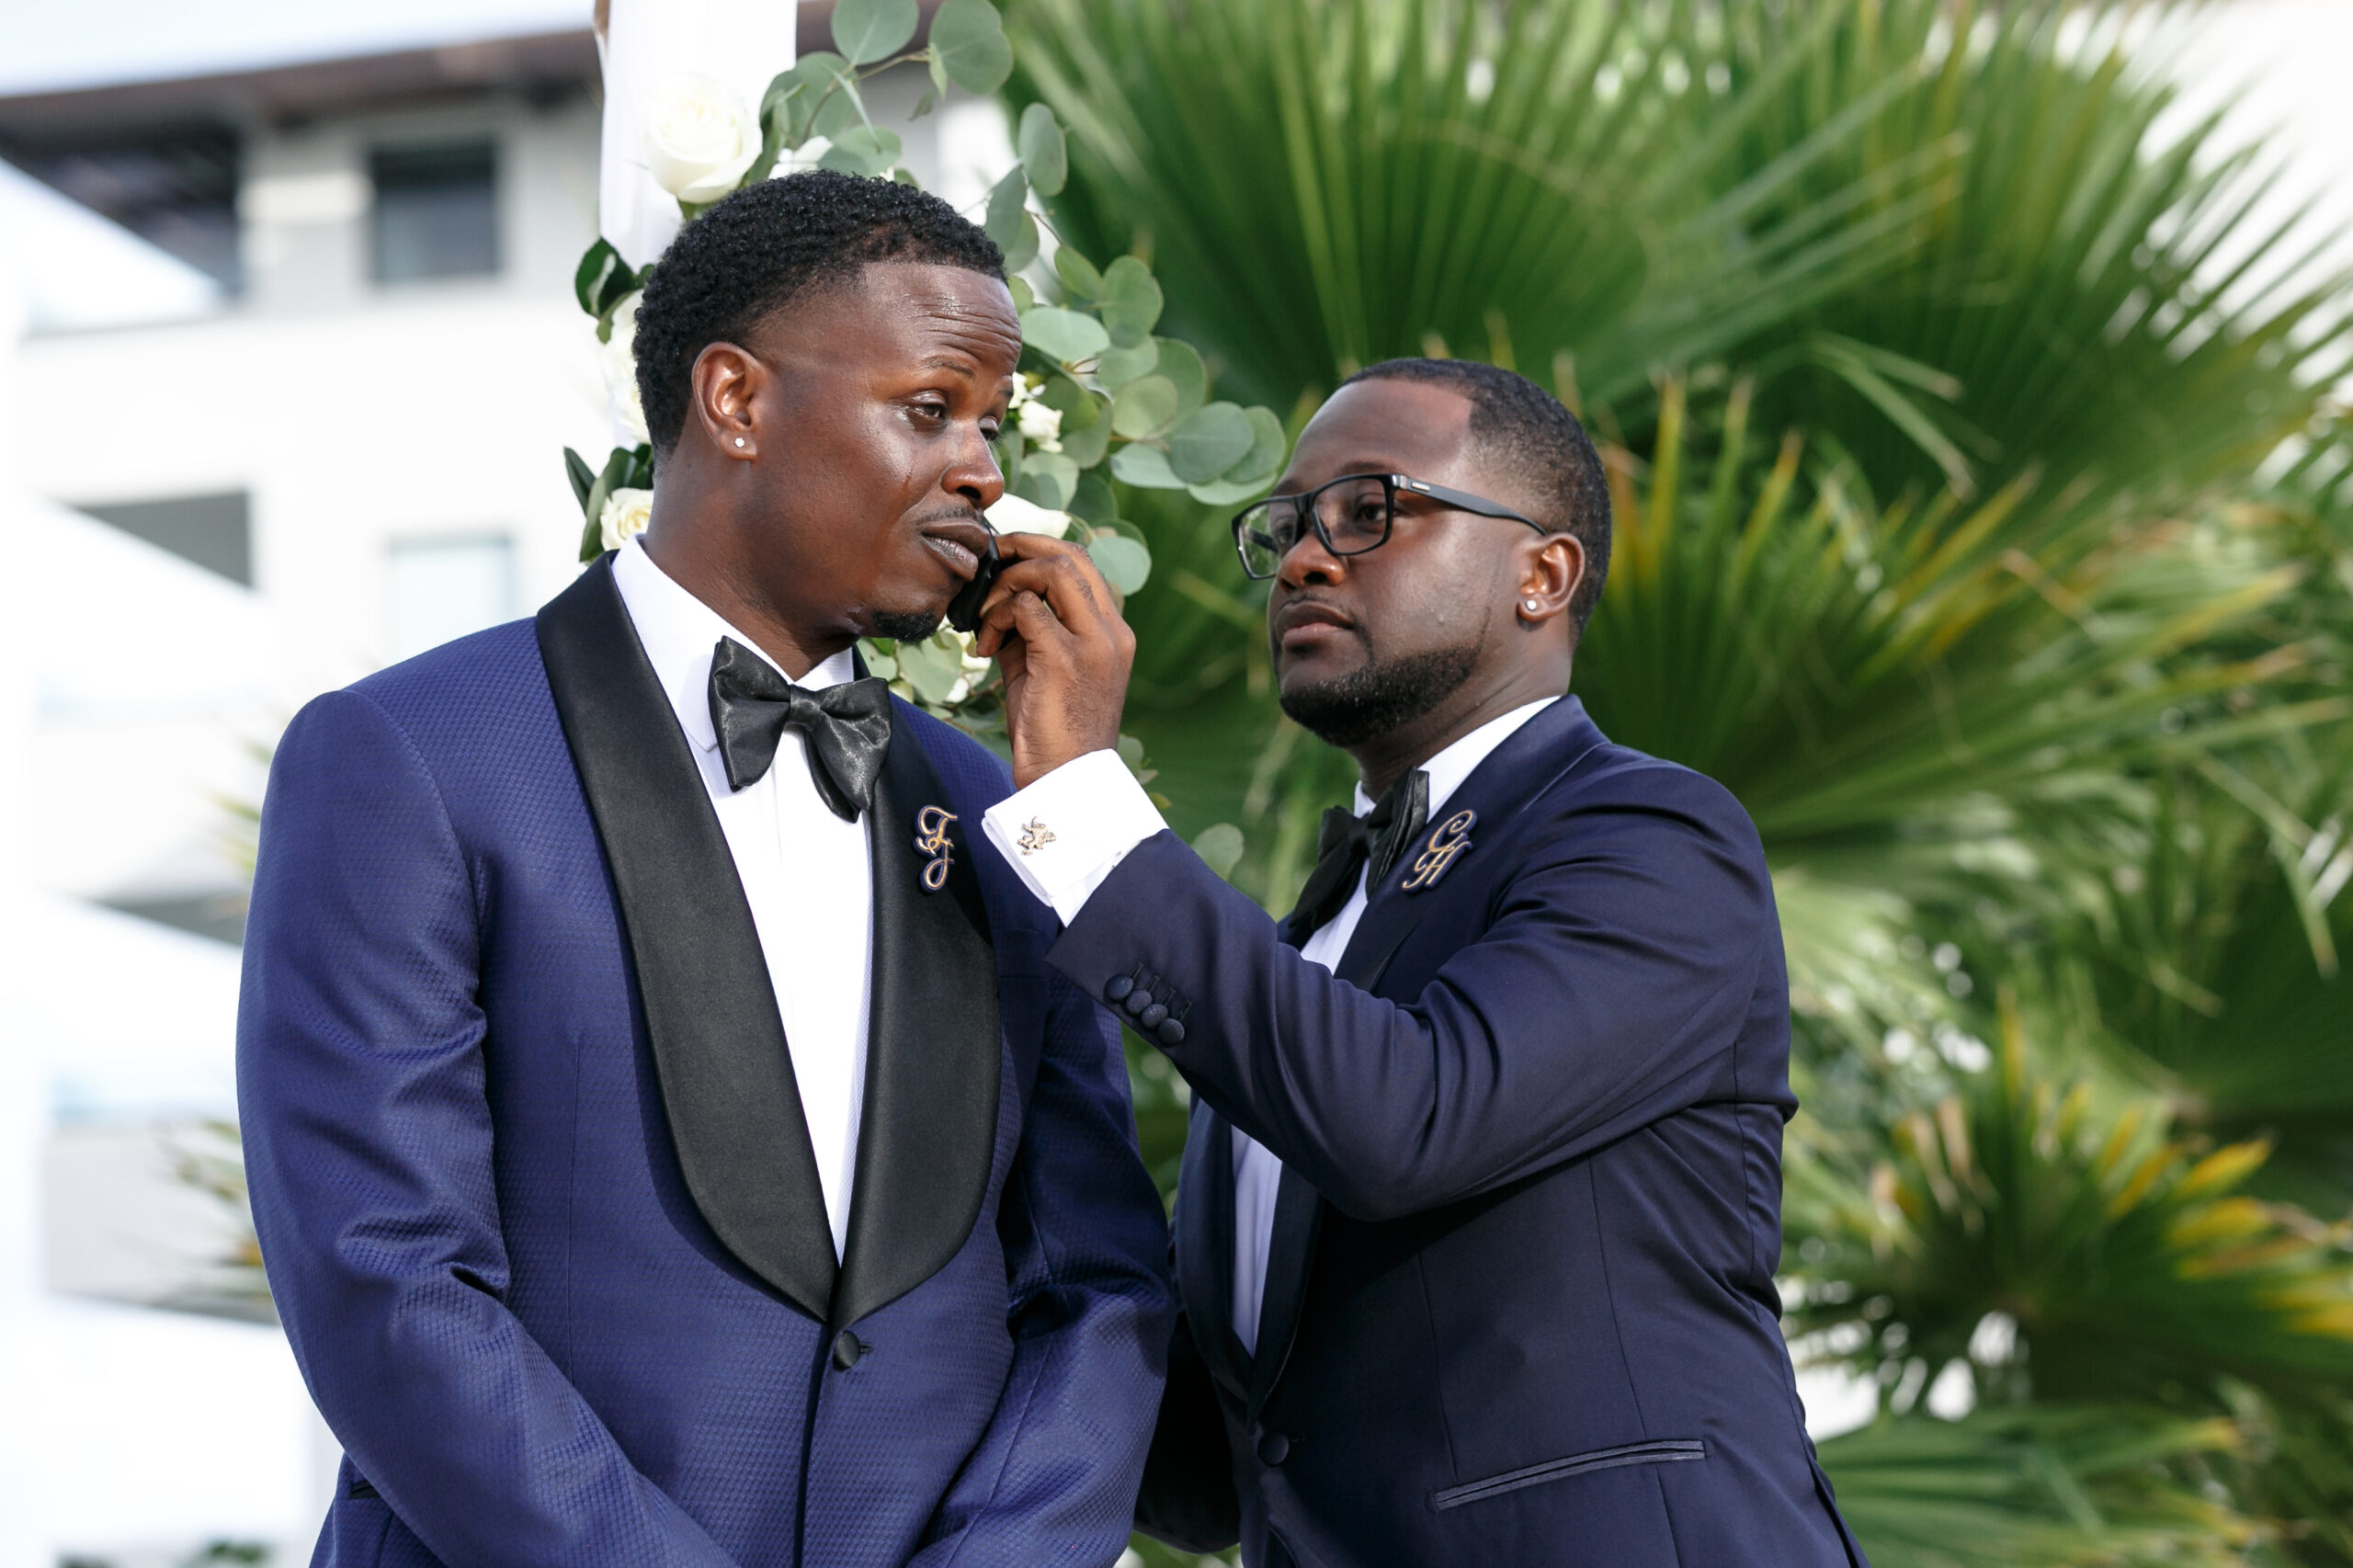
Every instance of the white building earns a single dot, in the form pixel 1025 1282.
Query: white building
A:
pixel 299 356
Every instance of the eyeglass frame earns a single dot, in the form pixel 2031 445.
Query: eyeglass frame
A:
pixel 1304 500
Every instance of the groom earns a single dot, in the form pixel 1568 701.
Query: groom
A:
pixel 1481 1201
pixel 667 1141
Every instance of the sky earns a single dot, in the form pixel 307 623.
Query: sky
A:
pixel 56 46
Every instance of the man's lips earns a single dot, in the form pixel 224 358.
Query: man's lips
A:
pixel 960 542
pixel 1297 625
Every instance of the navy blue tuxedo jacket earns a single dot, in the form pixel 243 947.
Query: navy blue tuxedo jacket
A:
pixel 537 1194
pixel 1519 1306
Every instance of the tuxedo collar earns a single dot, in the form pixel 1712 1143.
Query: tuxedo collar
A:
pixel 928 1130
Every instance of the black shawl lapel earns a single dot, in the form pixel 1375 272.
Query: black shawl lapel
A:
pixel 1507 779
pixel 1205 1247
pixel 927 1132
pixel 718 1047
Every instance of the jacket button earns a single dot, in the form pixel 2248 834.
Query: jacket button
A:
pixel 1273 1448
pixel 1172 1032
pixel 1138 1000
pixel 1151 1017
pixel 1120 985
pixel 848 1348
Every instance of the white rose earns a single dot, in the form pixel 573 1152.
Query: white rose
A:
pixel 620 374
pixel 700 139
pixel 626 514
pixel 1012 515
pixel 1041 425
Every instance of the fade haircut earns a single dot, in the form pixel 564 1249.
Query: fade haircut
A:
pixel 1519 425
pixel 756 251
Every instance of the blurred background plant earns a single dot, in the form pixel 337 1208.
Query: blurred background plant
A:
pixel 1986 523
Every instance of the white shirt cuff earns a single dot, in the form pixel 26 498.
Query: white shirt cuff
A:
pixel 1063 835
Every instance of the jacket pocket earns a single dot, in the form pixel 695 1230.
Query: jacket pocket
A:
pixel 1668 1450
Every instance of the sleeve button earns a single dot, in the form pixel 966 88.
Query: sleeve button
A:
pixel 1120 985
pixel 1171 1032
pixel 1151 1017
pixel 1138 1001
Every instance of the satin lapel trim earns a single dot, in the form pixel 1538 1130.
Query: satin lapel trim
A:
pixel 1291 1255
pixel 926 1138
pixel 719 1048
pixel 1205 1247
pixel 1538 754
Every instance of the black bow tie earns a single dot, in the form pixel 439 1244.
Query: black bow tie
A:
pixel 848 726
pixel 1373 841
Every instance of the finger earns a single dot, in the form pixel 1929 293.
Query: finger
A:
pixel 1070 585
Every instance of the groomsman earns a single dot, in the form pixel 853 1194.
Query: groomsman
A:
pixel 667 1141
pixel 1481 1205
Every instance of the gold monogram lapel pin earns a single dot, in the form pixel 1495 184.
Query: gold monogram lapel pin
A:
pixel 1447 844
pixel 931 839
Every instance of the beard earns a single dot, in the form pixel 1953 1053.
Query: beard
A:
pixel 903 625
pixel 1381 696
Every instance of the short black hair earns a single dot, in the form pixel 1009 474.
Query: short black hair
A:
pixel 1526 429
pixel 755 251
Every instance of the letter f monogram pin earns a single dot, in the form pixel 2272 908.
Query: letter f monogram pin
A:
pixel 931 839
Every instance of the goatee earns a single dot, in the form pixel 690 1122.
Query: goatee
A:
pixel 1383 695
pixel 904 626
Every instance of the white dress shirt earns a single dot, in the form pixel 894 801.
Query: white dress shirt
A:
pixel 1085 817
pixel 805 872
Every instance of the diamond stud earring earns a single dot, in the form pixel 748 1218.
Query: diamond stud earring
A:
pixel 739 440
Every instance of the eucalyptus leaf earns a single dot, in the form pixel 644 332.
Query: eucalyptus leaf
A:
pixel 1208 441
pixel 1091 501
pixel 1042 152
pixel 1269 444
pixel 1010 456
pixel 1145 467
pixel 1125 565
pixel 1086 444
pixel 1117 367
pixel 869 30
pixel 1023 295
pixel 968 38
pixel 1074 403
pixel 1181 363
pixel 1226 493
pixel 1144 408
pixel 1079 275
pixel 883 666
pixel 1065 337
pixel 1003 223
pixel 1220 847
pixel 791 103
pixel 868 150
pixel 1131 301
pixel 931 669
pixel 1024 248
pixel 1049 479
pixel 938 74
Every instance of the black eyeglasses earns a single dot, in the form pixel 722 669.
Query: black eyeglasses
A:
pixel 1350 515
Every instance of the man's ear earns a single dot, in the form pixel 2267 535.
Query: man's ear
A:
pixel 726 383
pixel 1550 570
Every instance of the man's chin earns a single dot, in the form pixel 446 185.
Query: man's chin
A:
pixel 904 626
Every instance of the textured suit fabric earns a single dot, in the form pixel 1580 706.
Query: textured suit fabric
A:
pixel 1520 1304
pixel 531 1345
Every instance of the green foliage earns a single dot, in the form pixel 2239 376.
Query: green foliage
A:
pixel 1933 365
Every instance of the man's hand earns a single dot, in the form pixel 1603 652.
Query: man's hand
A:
pixel 1054 629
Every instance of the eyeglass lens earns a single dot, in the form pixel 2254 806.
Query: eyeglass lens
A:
pixel 1355 512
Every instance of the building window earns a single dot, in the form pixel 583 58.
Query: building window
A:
pixel 447 587
pixel 436 212
pixel 215 531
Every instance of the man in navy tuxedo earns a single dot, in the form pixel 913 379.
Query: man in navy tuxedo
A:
pixel 1481 1204
pixel 667 1141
